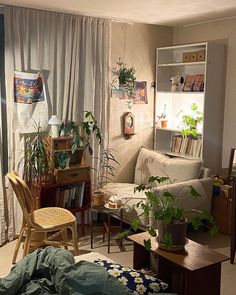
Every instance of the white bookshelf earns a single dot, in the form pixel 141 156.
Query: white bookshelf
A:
pixel 210 101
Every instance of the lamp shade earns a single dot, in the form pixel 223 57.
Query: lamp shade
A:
pixel 54 120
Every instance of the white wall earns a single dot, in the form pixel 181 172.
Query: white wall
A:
pixel 137 44
pixel 223 31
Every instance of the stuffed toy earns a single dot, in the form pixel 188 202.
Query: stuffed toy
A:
pixel 177 82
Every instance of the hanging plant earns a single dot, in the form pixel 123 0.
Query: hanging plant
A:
pixel 126 78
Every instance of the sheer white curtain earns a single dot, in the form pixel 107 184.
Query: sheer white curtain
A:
pixel 73 54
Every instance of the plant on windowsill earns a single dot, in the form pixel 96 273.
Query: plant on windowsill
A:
pixel 105 172
pixel 189 123
pixel 171 220
pixel 126 78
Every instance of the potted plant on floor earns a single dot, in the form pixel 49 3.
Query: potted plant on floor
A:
pixel 107 164
pixel 171 220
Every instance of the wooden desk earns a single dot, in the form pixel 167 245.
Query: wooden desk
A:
pixel 196 270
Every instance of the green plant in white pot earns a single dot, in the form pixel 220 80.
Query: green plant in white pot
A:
pixel 171 220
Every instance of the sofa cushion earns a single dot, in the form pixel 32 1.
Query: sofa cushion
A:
pixel 136 281
pixel 155 163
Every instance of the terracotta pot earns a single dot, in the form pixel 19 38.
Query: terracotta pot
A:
pixel 97 198
pixel 164 123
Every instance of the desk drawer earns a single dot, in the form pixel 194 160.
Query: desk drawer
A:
pixel 71 175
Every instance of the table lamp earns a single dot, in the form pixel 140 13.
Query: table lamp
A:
pixel 54 122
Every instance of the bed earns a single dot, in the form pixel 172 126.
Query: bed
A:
pixel 55 271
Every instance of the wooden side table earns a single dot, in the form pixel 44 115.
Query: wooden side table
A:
pixel 193 271
pixel 107 227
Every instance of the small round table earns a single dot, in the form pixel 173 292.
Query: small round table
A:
pixel 107 228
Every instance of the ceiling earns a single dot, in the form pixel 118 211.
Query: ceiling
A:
pixel 163 12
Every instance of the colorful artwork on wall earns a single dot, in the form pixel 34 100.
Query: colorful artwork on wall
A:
pixel 140 92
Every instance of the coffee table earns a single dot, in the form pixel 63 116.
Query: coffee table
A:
pixel 107 227
pixel 196 270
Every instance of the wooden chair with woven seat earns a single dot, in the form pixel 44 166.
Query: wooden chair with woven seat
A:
pixel 43 220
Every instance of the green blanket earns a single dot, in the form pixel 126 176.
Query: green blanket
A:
pixel 53 271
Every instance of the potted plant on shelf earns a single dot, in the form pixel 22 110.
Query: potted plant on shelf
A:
pixel 62 160
pixel 162 118
pixel 81 132
pixel 171 220
pixel 36 164
pixel 126 78
pixel 107 164
pixel 189 123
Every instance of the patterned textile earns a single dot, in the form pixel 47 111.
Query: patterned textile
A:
pixel 136 281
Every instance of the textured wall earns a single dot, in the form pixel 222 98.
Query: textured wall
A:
pixel 137 44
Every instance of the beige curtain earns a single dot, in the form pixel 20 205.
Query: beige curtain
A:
pixel 73 54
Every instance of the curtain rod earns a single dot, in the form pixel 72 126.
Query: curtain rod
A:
pixel 75 13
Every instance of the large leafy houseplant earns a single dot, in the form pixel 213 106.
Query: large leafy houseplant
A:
pixel 82 131
pixel 162 205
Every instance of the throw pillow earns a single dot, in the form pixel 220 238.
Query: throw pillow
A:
pixel 154 163
pixel 136 281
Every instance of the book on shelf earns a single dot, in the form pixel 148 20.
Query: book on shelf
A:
pixel 186 145
pixel 194 83
pixel 70 197
pixel 79 195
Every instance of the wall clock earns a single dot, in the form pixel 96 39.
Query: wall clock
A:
pixel 129 124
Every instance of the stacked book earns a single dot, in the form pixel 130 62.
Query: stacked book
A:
pixel 70 197
pixel 186 145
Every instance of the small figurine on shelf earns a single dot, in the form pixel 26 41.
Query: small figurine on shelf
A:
pixel 162 121
pixel 177 82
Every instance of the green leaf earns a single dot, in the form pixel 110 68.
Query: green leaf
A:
pixel 196 222
pixel 168 240
pixel 194 193
pixel 135 224
pixel 214 230
pixel 147 244
pixel 123 234
pixel 152 232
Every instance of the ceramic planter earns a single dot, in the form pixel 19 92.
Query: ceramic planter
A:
pixel 177 231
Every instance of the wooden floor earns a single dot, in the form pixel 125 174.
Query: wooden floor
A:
pixel 124 256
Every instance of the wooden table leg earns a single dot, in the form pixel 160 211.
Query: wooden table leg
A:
pixel 109 230
pixel 91 226
pixel 121 225
pixel 83 222
pixel 233 224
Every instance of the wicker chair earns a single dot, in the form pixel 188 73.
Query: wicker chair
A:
pixel 43 220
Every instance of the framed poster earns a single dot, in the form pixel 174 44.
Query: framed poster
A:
pixel 140 92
